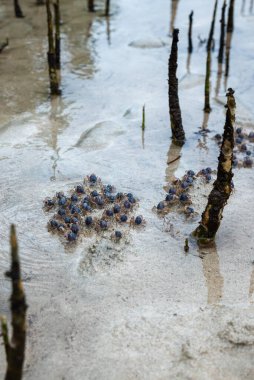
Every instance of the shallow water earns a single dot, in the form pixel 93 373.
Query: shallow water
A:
pixel 146 311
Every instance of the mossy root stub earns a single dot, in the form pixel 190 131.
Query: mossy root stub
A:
pixel 178 134
pixel 222 187
pixel 15 349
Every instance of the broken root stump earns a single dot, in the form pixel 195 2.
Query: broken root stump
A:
pixel 222 187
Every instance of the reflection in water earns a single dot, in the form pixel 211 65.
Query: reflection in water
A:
pixel 205 121
pixel 243 7
pixel 108 30
pixel 188 63
pixel 251 289
pixel 76 32
pixel 50 130
pixel 58 122
pixel 211 270
pixel 251 6
pixel 219 74
pixel 143 138
pixel 202 142
pixel 174 6
pixel 228 48
pixel 174 155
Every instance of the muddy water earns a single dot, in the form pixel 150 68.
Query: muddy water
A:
pixel 144 310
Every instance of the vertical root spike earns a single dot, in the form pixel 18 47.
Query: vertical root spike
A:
pixel 18 10
pixel 207 107
pixel 211 33
pixel 190 47
pixel 107 8
pixel 178 134
pixel 57 34
pixel 230 24
pixel 143 117
pixel 222 33
pixel 90 5
pixel 53 76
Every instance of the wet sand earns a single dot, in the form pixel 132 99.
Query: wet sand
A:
pixel 146 310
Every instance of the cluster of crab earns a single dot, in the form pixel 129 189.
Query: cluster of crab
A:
pixel 178 194
pixel 243 152
pixel 91 206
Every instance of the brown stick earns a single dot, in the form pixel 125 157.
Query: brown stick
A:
pixel 222 187
pixel 15 350
pixel 178 134
pixel 222 33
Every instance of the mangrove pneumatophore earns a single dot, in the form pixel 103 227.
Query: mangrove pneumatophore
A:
pixel 57 34
pixel 178 134
pixel 52 59
pixel 15 348
pixel 90 5
pixel 18 10
pixel 143 126
pixel 230 25
pixel 230 28
pixel 222 187
pixel 107 8
pixel 207 107
pixel 222 33
pixel 190 47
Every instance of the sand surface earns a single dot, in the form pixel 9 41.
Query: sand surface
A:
pixel 142 309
